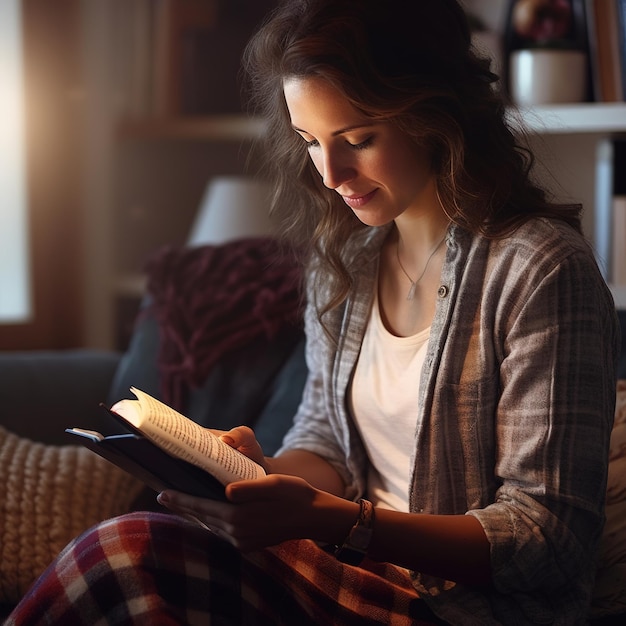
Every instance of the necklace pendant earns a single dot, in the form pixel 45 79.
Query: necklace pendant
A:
pixel 411 294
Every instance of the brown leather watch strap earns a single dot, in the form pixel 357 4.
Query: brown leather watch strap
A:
pixel 354 548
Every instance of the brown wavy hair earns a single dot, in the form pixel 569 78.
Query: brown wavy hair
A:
pixel 411 63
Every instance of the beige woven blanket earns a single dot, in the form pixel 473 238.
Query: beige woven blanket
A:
pixel 50 495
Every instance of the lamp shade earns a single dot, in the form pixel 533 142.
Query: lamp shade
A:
pixel 233 207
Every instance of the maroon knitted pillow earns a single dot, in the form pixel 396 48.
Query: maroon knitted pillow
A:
pixel 211 300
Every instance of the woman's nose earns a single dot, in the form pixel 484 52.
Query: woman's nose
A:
pixel 336 170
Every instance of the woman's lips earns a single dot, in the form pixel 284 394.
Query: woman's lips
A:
pixel 355 202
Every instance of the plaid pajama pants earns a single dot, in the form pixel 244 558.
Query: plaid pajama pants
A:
pixel 159 569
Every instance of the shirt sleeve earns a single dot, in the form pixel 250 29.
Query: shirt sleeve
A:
pixel 553 424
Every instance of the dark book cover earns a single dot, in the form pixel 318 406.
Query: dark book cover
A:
pixel 146 461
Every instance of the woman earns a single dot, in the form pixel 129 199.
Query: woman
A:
pixel 452 438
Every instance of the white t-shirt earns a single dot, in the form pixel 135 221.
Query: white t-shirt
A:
pixel 384 404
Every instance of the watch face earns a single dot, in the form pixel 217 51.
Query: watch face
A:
pixel 349 555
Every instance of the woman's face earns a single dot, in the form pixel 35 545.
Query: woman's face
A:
pixel 373 166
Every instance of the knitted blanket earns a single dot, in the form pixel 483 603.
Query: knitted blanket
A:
pixel 50 495
pixel 211 300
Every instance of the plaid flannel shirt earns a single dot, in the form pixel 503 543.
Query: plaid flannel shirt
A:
pixel 515 410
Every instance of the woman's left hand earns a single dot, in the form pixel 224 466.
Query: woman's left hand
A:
pixel 267 511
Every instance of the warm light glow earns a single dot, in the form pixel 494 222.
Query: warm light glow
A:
pixel 14 266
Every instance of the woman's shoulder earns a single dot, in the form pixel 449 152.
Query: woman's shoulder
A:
pixel 550 241
pixel 539 251
pixel 538 229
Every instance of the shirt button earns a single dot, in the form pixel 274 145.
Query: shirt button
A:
pixel 442 292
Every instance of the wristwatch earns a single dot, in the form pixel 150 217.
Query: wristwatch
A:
pixel 354 548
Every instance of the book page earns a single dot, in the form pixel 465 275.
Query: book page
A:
pixel 187 440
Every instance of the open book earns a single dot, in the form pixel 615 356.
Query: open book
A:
pixel 168 450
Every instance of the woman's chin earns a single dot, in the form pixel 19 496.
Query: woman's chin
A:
pixel 370 218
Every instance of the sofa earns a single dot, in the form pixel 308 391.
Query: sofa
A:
pixel 227 354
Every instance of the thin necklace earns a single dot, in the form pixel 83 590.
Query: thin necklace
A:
pixel 414 283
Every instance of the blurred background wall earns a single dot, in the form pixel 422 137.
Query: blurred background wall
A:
pixel 131 108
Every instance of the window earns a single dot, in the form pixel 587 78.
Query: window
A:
pixel 14 266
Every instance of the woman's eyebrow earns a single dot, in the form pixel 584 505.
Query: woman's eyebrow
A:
pixel 341 131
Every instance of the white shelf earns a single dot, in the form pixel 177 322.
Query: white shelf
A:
pixel 596 117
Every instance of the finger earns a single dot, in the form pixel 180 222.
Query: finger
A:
pixel 260 489
pixel 241 492
pixel 240 437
